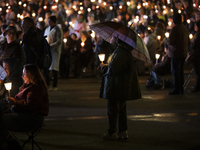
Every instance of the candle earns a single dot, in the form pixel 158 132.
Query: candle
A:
pixel 82 44
pixel 167 34
pixel 188 21
pixel 101 57
pixel 159 37
pixel 8 87
pixel 190 36
pixel 157 57
pixel 65 40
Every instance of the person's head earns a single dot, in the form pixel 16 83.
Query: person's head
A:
pixel 32 74
pixel 52 21
pixel 177 19
pixel 197 16
pixel 79 17
pixel 84 34
pixel 27 23
pixel 74 36
pixel 13 67
pixel 10 34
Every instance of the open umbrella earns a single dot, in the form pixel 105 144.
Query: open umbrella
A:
pixel 108 29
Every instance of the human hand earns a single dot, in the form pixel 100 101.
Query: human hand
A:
pixel 11 100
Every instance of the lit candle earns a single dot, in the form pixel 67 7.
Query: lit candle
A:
pixel 190 36
pixel 101 57
pixel 65 40
pixel 128 3
pixel 157 57
pixel 24 5
pixel 89 9
pixel 111 8
pixel 82 44
pixel 169 23
pixel 159 37
pixel 33 14
pixel 40 19
pixel 188 21
pixel 45 7
pixel 19 2
pixel 8 87
pixel 167 34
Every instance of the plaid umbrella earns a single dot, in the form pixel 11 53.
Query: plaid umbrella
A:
pixel 108 29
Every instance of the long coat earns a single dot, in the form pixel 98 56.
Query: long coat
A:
pixel 120 80
pixel 54 38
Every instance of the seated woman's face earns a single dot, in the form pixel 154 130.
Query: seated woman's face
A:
pixel 6 68
pixel 25 77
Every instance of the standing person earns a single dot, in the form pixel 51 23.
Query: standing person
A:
pixel 195 51
pixel 119 84
pixel 32 43
pixel 54 37
pixel 178 47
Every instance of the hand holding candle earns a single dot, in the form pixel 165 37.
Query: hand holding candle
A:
pixel 157 57
pixel 82 44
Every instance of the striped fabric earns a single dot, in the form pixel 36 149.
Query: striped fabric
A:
pixel 108 29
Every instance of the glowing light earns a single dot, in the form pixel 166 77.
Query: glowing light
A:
pixel 158 37
pixel 128 3
pixel 24 5
pixel 40 19
pixel 20 3
pixel 89 9
pixel 111 8
pixel 45 7
pixel 188 21
pixel 81 8
pixel 101 57
pixel 190 36
pixel 33 14
pixel 82 44
pixel 167 34
pixel 179 11
pixel 65 40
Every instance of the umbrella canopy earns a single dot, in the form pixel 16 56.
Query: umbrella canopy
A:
pixel 108 29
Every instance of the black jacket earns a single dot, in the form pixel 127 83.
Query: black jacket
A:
pixel 32 43
pixel 12 50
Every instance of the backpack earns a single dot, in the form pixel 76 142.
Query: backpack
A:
pixel 47 57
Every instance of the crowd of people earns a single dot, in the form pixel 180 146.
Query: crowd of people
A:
pixel 151 19
pixel 166 26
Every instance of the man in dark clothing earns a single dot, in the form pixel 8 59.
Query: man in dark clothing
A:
pixel 11 48
pixel 178 47
pixel 32 43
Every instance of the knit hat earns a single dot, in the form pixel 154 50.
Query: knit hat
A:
pixel 11 28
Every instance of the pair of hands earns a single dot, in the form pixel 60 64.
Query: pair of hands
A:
pixel 11 100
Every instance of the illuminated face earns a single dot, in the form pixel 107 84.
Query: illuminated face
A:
pixel 6 68
pixel 25 77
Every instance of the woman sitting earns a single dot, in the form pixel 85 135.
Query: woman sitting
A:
pixel 29 106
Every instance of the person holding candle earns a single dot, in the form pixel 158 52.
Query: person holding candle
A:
pixel 119 84
pixel 178 42
pixel 29 106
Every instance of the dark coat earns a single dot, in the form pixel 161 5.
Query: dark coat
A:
pixel 120 80
pixel 178 41
pixel 32 43
pixel 195 47
pixel 13 50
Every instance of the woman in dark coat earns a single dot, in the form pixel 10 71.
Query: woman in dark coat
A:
pixel 119 84
pixel 195 51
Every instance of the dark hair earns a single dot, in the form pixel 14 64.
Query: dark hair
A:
pixel 177 18
pixel 53 18
pixel 34 74
pixel 4 26
pixel 29 20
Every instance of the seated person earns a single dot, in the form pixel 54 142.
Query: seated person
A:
pixel 13 68
pixel 160 69
pixel 29 106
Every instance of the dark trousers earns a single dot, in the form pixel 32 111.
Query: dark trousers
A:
pixel 45 73
pixel 64 66
pixel 177 73
pixel 116 110
pixel 55 78
pixel 196 66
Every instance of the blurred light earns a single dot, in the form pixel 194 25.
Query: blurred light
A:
pixel 172 10
pixel 97 7
pixel 129 23
pixel 164 7
pixel 179 11
pixel 33 14
pixel 24 5
pixel 18 15
pixel 104 3
pixel 99 1
pixel 111 8
pixel 21 17
pixel 167 34
pixel 164 12
pixel 45 7
pixel 40 19
pixel 156 11
pixel 190 36
pixel 81 8
pixel 194 5
pixel 128 3
pixel 143 4
pixel 145 17
pixel 7 10
pixel 67 11
pixel 188 21
pixel 81 3
pixel 74 6
pixel 93 34
pixel 19 2
pixel 92 1
pixel 56 1
pixel 169 23
pixel 159 37
pixel 89 9
pixel 8 7
pixel 7 4
pixel 120 7
pixel 149 28
pixel 65 40
pixel 0 9
pixel 79 12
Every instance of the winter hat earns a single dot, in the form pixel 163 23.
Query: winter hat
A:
pixel 53 18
